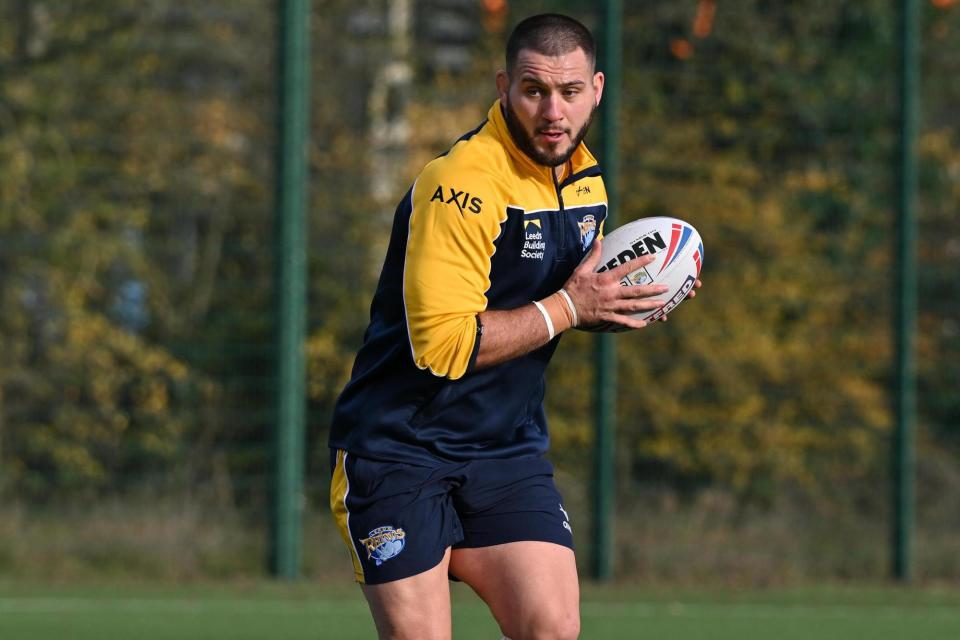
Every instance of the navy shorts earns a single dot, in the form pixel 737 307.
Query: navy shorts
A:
pixel 398 519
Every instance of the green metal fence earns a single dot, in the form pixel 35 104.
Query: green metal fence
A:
pixel 139 374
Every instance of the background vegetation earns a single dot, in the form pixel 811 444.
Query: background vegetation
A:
pixel 136 147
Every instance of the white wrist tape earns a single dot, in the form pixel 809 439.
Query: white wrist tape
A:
pixel 546 318
pixel 573 309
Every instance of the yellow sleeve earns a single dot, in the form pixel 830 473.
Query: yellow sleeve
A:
pixel 453 224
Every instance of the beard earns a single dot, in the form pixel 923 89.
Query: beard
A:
pixel 525 140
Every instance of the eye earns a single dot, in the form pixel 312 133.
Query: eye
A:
pixel 533 92
pixel 571 92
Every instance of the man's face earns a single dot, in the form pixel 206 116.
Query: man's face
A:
pixel 549 102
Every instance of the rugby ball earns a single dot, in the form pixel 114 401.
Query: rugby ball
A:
pixel 678 252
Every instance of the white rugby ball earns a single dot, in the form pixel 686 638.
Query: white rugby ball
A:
pixel 679 256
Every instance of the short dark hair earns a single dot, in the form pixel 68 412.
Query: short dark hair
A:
pixel 550 34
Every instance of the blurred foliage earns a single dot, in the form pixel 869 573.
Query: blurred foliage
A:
pixel 753 143
pixel 136 140
pixel 132 207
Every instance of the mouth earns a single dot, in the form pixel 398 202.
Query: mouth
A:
pixel 552 135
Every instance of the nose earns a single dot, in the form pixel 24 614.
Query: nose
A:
pixel 551 108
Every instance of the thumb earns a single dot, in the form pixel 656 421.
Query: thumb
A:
pixel 593 258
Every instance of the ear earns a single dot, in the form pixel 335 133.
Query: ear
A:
pixel 503 85
pixel 598 86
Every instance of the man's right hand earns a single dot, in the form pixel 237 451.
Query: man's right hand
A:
pixel 601 299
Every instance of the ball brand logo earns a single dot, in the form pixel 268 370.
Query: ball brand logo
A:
pixel 646 245
pixel 675 300
pixel 679 235
pixel 384 543
pixel 460 198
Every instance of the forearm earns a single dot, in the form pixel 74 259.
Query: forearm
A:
pixel 510 334
pixel 515 332
pixel 588 298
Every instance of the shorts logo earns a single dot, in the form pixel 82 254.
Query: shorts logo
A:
pixel 566 519
pixel 588 230
pixel 384 543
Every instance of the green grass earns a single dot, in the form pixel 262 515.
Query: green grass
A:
pixel 304 611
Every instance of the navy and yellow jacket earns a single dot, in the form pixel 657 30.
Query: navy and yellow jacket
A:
pixel 483 227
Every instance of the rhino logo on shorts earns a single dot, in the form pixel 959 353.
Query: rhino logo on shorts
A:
pixel 384 543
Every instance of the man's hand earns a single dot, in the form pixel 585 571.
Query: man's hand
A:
pixel 602 304
pixel 600 299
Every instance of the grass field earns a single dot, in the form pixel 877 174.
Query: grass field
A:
pixel 279 612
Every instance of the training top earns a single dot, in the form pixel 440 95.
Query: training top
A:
pixel 483 227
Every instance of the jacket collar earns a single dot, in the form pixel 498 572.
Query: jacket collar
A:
pixel 581 159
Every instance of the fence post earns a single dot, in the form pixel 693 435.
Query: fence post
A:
pixel 293 55
pixel 606 356
pixel 906 298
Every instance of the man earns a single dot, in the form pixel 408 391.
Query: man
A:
pixel 438 439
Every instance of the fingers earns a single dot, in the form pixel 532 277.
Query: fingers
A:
pixel 630 266
pixel 621 321
pixel 622 303
pixel 643 291
pixel 601 299
pixel 636 305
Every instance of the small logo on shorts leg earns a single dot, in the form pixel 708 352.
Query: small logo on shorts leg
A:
pixel 384 543
pixel 566 519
